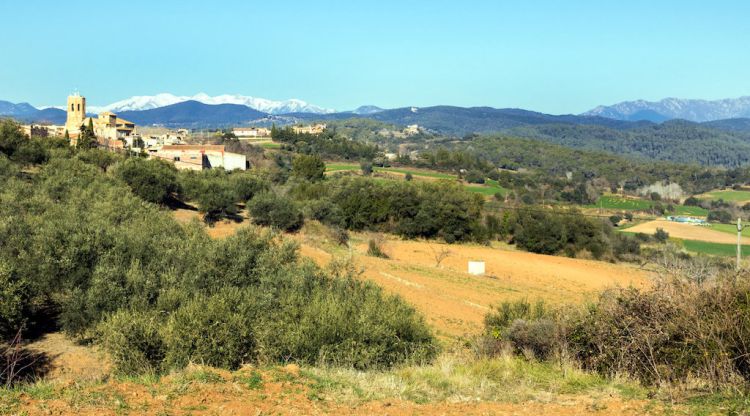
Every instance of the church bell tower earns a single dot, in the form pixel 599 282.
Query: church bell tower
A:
pixel 76 113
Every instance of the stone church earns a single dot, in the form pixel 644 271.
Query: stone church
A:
pixel 109 129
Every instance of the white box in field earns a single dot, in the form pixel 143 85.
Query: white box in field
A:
pixel 476 268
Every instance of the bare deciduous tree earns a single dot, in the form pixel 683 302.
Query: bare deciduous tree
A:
pixel 439 254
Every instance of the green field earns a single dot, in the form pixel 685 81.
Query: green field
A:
pixel 489 189
pixel 728 195
pixel 270 145
pixel 730 229
pixel 338 167
pixel 615 202
pixel 715 249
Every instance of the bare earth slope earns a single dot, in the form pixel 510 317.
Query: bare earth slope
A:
pixel 687 232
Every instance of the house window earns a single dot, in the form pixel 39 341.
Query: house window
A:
pixel 79 107
pixel 176 158
pixel 72 107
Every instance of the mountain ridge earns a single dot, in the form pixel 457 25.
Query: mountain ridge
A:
pixel 675 108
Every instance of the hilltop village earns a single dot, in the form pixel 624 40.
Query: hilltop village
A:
pixel 119 135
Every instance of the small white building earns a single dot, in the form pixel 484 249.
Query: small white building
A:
pixel 199 157
pixel 243 132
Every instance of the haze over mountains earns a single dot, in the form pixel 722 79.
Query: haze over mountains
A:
pixel 148 102
pixel 675 108
pixel 204 111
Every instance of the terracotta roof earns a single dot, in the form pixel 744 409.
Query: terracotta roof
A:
pixel 188 147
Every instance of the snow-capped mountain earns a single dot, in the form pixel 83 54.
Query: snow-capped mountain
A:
pixel 671 108
pixel 148 102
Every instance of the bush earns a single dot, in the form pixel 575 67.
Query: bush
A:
pixel 157 294
pixel 674 332
pixel 308 167
pixel 661 236
pixel 153 180
pixel 375 247
pixel 215 331
pixel 345 322
pixel 366 168
pixel 340 236
pixel 528 328
pixel 537 337
pixel 474 176
pixel 213 191
pixel 271 210
pixel 720 216
pixel 625 247
pixel 134 341
pixel 325 211
pixel 539 232
pixel 246 185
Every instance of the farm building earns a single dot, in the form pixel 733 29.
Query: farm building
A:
pixel 198 157
pixel 688 220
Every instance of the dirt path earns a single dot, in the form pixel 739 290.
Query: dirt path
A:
pixel 688 232
pixel 70 362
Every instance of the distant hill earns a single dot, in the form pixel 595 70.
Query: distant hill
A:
pixel 675 108
pixel 149 102
pixel 460 121
pixel 741 125
pixel 367 109
pixel 27 113
pixel 195 114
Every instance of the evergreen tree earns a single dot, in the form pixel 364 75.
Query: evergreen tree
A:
pixel 87 138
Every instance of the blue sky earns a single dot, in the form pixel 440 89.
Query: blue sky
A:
pixel 550 56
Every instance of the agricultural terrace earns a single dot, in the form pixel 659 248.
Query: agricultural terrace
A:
pixel 729 195
pixel 620 203
pixel 489 188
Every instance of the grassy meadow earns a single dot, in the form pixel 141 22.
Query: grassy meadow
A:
pixel 616 202
pixel 489 188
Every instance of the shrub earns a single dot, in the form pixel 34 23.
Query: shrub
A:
pixel 13 298
pixel 325 211
pixel 213 191
pixel 246 185
pixel 339 235
pixel 215 331
pixel 661 236
pixel 375 247
pixel 133 341
pixel 271 210
pixel 308 167
pixel 474 176
pixel 721 216
pixel 528 328
pixel 366 168
pixel 345 322
pixel 676 331
pixel 153 180
pixel 625 247
pixel 615 220
pixel 537 337
pixel 539 232
pixel 505 313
